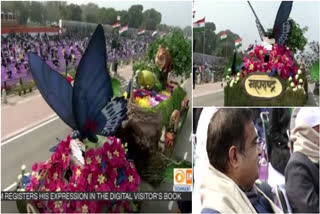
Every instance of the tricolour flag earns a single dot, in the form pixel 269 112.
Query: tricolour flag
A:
pixel 116 25
pixel 238 43
pixel 223 36
pixel 154 33
pixel 141 32
pixel 199 25
pixel 123 30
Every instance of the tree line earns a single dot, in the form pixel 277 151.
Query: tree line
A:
pixel 51 11
pixel 209 42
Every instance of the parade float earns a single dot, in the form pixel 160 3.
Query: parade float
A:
pixel 269 74
pixel 278 82
pixel 92 158
pixel 158 105
pixel 116 140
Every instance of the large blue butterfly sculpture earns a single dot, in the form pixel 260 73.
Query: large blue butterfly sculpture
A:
pixel 86 107
pixel 282 25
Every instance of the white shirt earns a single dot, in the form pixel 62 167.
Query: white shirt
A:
pixel 201 161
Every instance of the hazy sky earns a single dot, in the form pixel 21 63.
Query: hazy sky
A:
pixel 175 13
pixel 238 17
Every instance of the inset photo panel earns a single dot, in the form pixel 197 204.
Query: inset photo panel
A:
pixel 256 53
pixel 256 160
pixel 96 107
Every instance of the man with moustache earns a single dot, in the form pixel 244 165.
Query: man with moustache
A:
pixel 229 183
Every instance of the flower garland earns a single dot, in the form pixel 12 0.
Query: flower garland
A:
pixel 149 99
pixel 105 169
pixel 279 60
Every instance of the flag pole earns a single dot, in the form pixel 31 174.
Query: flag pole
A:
pixel 204 40
pixel 257 19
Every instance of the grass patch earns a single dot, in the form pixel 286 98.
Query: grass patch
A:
pixel 235 96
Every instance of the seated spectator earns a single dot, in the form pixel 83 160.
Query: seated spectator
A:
pixel 302 171
pixel 228 185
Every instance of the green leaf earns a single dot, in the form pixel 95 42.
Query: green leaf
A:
pixel 116 87
pixel 315 72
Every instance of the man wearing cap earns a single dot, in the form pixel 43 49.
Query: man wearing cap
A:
pixel 228 186
pixel 302 171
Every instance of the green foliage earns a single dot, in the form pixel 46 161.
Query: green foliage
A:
pixel 187 31
pixel 210 39
pixel 124 16
pixel 36 12
pixel 168 106
pixel 135 16
pixel 116 87
pixel 225 47
pixel 107 16
pixel 180 51
pixel 315 72
pixel 297 40
pixel 163 28
pixel 235 96
pixel 20 7
pixel 151 18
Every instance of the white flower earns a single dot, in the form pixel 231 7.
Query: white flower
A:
pixel 19 177
pixel 299 71
pixel 290 79
pixel 300 81
pixel 231 83
pixel 238 74
pixel 299 86
pixel 237 79
pixel 229 69
pixel 292 84
pixel 23 167
pixel 297 76
pixel 294 89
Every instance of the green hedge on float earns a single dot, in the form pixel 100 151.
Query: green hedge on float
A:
pixel 235 96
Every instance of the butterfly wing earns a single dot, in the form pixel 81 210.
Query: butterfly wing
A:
pixel 54 88
pixel 282 26
pixel 92 85
pixel 111 117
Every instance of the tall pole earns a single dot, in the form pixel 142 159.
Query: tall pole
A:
pixel 204 42
pixel 257 19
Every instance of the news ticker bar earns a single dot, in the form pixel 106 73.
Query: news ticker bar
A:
pixel 114 196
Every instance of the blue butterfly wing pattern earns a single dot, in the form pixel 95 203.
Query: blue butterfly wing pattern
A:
pixel 286 30
pixel 111 116
pixel 92 86
pixel 282 26
pixel 54 88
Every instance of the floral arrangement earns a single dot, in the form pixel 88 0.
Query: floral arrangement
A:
pixel 280 60
pixel 148 99
pixel 105 169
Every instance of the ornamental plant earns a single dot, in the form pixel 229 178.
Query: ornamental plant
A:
pixel 105 169
pixel 280 61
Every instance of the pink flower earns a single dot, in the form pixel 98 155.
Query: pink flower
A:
pixel 35 167
pixel 260 52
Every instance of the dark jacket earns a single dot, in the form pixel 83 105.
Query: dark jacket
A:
pixel 302 184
